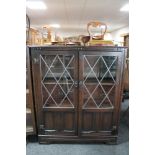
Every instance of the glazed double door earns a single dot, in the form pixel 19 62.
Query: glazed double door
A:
pixel 76 92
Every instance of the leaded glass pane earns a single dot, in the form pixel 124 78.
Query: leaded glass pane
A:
pixel 99 81
pixel 57 80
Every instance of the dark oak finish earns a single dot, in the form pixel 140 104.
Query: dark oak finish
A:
pixel 77 92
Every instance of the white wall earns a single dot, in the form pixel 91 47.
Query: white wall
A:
pixel 116 35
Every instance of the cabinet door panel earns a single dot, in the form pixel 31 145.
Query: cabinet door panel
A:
pixel 100 81
pixel 60 123
pixel 96 122
pixel 55 75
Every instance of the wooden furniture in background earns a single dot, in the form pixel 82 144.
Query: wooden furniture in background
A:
pixel 96 32
pixel 101 27
pixel 34 37
pixel 46 35
pixel 27 28
pixel 126 76
pixel 77 92
pixel 30 114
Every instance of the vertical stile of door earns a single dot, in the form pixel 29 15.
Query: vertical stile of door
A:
pixel 81 64
pixel 76 90
pixel 119 90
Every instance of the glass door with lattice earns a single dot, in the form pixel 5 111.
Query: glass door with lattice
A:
pixel 99 81
pixel 58 92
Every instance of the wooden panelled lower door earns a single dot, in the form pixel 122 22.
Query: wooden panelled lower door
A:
pixel 99 82
pixel 55 76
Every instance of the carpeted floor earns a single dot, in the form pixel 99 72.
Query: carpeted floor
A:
pixel 122 148
pixel 77 149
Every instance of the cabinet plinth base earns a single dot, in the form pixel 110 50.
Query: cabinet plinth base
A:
pixel 50 139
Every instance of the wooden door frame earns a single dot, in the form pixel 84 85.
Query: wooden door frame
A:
pixel 115 116
pixel 35 54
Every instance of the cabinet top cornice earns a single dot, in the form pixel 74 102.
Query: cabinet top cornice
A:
pixel 79 48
